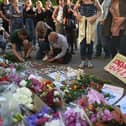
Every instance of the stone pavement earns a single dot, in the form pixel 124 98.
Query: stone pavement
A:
pixel 98 69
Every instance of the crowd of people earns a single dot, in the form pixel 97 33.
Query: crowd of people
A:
pixel 60 30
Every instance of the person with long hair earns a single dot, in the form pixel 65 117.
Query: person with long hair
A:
pixel 21 45
pixel 40 10
pixel 42 32
pixel 5 12
pixel 70 24
pixel 86 12
pixel 48 14
pixel 16 18
pixel 29 16
pixel 58 16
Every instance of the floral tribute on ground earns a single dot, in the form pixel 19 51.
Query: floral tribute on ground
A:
pixel 28 99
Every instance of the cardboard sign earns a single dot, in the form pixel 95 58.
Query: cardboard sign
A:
pixel 117 67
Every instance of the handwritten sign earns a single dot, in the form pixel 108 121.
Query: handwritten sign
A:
pixel 117 67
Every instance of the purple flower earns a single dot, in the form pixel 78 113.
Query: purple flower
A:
pixel 93 118
pixel 107 115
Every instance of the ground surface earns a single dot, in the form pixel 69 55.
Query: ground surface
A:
pixel 98 69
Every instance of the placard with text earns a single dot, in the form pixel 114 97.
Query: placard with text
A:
pixel 117 67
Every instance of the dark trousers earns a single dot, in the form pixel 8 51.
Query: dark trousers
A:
pixel 3 45
pixel 86 50
pixel 65 59
pixel 106 45
pixel 115 43
pixel 122 48
pixel 43 49
pixel 102 42
pixel 70 39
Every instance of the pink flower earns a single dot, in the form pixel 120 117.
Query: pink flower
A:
pixel 94 96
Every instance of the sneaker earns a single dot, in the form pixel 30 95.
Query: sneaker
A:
pixel 90 65
pixel 45 58
pixel 34 47
pixel 82 65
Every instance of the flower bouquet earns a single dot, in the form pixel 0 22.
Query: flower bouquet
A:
pixel 75 117
pixel 4 79
pixel 100 112
pixel 45 117
pixel 79 87
pixel 53 99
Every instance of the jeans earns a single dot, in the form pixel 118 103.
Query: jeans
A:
pixel 102 42
pixel 16 23
pixel 122 48
pixel 86 50
pixel 43 49
pixel 3 45
pixel 70 39
pixel 29 23
pixel 106 45
pixel 99 39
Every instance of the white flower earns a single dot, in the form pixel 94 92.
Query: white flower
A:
pixel 53 123
pixel 24 91
pixel 24 96
pixel 23 83
pixel 56 93
pixel 30 106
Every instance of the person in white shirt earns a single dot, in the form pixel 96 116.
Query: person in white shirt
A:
pixel 58 48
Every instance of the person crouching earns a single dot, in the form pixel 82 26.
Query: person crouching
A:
pixel 58 48
pixel 21 44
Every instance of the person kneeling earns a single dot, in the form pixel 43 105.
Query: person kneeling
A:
pixel 21 42
pixel 58 48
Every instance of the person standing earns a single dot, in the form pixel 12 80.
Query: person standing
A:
pixel 40 10
pixel 16 18
pixel 86 12
pixel 122 20
pixel 48 14
pixel 29 19
pixel 69 23
pixel 58 16
pixel 5 11
pixel 103 39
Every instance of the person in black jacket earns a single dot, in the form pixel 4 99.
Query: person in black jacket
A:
pixel 69 23
pixel 48 14
pixel 42 32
